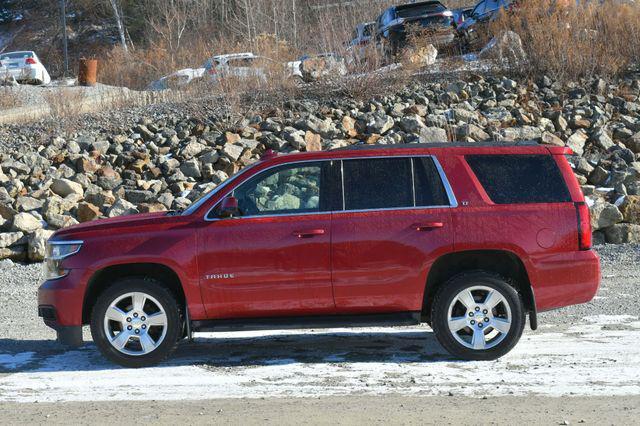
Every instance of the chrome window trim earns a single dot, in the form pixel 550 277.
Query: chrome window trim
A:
pixel 447 186
pixel 413 181
pixel 344 200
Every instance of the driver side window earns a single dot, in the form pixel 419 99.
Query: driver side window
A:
pixel 284 190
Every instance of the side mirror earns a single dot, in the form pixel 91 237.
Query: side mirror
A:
pixel 229 207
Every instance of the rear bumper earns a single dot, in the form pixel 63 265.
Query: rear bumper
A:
pixel 19 74
pixel 60 301
pixel 565 279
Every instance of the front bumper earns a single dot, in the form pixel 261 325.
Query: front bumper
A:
pixel 565 279
pixel 60 301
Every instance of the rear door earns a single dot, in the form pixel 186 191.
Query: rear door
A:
pixel 396 220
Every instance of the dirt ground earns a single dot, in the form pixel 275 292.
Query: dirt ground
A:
pixel 388 409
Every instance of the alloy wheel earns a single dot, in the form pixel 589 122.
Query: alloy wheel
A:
pixel 479 317
pixel 135 323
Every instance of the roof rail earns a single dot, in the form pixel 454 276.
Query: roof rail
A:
pixel 363 146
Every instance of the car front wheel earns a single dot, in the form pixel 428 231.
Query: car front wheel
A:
pixel 136 322
pixel 478 316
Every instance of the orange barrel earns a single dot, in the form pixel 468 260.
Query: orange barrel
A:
pixel 88 73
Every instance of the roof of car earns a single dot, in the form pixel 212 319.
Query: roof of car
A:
pixel 411 149
pixel 422 3
pixel 362 146
pixel 235 55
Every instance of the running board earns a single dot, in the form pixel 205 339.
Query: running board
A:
pixel 326 321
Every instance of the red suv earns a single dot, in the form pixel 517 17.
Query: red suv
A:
pixel 467 238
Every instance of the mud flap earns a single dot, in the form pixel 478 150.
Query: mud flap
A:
pixel 70 336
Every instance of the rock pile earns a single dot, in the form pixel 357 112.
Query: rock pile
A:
pixel 165 163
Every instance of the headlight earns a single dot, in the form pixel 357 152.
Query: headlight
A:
pixel 56 252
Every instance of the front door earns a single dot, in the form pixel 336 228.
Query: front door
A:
pixel 396 222
pixel 272 259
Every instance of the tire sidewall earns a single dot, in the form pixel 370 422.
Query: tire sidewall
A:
pixel 440 313
pixel 157 291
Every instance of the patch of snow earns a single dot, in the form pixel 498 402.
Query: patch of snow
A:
pixel 587 360
pixel 610 319
pixel 589 201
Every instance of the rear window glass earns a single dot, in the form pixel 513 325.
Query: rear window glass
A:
pixel 16 55
pixel 518 179
pixel 411 11
pixel 377 183
pixel 428 184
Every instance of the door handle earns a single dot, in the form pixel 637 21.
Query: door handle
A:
pixel 426 226
pixel 308 233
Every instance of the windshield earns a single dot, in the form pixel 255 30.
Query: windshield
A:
pixel 204 197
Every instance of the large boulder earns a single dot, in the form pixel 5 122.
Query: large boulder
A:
pixel 64 187
pixel 506 47
pixel 38 244
pixel 623 233
pixel 121 208
pixel 26 222
pixel 87 212
pixel 630 209
pixel 604 215
pixel 421 56
pixel 433 135
pixel 7 239
pixel 577 140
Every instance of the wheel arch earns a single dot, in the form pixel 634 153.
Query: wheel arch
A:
pixel 107 276
pixel 502 262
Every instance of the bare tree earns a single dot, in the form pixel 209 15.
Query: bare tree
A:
pixel 120 24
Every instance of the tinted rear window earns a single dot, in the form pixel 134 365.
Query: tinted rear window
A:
pixel 517 179
pixel 377 183
pixel 411 11
pixel 429 188
pixel 16 55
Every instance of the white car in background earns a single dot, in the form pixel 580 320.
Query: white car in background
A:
pixel 243 66
pixel 177 79
pixel 24 67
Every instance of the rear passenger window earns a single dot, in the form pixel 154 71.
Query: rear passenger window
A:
pixel 377 183
pixel 428 184
pixel 515 179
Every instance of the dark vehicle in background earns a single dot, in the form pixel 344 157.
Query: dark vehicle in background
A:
pixel 460 15
pixel 363 34
pixel 396 22
pixel 484 11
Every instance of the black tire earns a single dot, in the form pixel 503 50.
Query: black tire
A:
pixel 440 316
pixel 174 321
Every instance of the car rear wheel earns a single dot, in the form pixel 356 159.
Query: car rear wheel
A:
pixel 478 316
pixel 136 322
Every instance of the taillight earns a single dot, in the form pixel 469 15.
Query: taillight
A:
pixel 584 226
pixel 30 61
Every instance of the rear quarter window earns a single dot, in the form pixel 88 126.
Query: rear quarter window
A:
pixel 520 179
